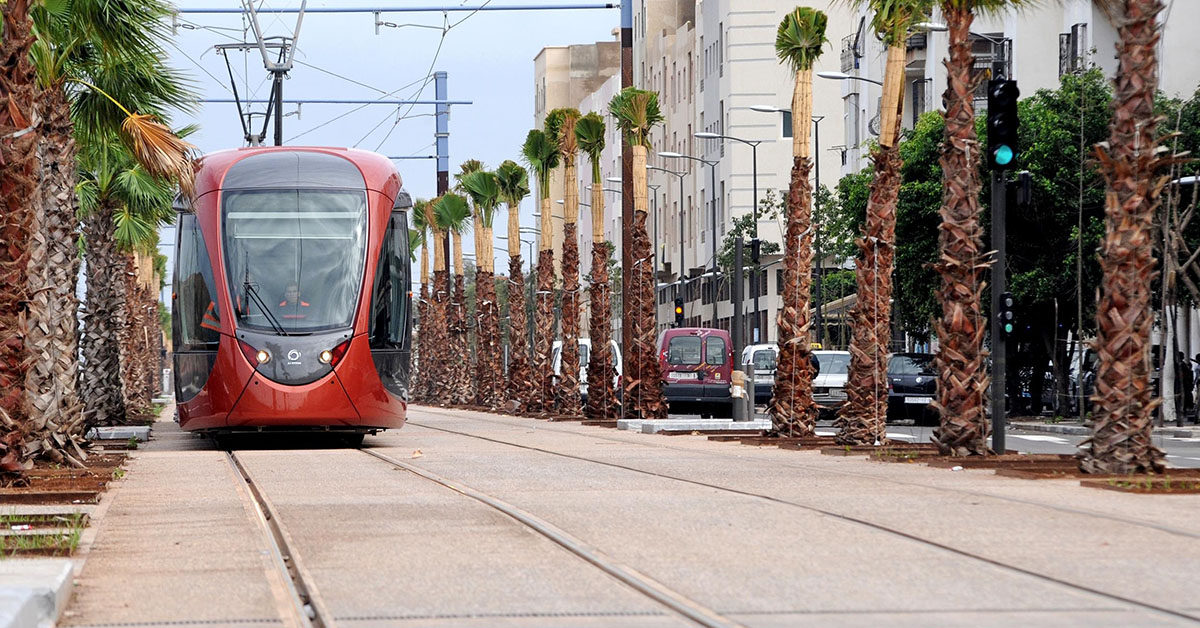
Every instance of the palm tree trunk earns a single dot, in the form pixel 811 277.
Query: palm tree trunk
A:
pixel 793 412
pixel 520 383
pixel 542 399
pixel 103 321
pixel 602 399
pixel 1121 432
pixel 460 367
pixel 568 383
pixel 488 385
pixel 18 171
pixel 863 418
pixel 962 373
pixel 643 396
pixel 53 324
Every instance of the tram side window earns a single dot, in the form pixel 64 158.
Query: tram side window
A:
pixel 390 302
pixel 196 315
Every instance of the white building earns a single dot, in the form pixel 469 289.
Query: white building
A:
pixel 1035 46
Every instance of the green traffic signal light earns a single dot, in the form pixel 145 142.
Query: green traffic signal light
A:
pixel 1008 328
pixel 1003 155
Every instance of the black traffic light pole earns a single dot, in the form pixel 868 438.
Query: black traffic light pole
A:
pixel 736 321
pixel 1002 126
pixel 999 357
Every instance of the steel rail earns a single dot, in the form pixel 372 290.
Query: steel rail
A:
pixel 847 518
pixel 309 612
pixel 1015 500
pixel 643 584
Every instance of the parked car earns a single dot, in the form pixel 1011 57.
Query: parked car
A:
pixel 585 352
pixel 829 388
pixel 697 367
pixel 763 356
pixel 912 384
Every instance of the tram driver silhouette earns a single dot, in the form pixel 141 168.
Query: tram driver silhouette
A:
pixel 291 307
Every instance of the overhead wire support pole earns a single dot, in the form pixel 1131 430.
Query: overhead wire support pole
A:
pixel 287 52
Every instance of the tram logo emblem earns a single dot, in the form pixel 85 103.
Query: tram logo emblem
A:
pixel 293 355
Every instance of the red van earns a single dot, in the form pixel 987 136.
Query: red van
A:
pixel 697 367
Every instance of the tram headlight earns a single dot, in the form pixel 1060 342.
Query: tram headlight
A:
pixel 326 356
pixel 263 356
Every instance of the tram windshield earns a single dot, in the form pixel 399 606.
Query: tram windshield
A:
pixel 294 257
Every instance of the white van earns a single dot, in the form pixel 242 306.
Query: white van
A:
pixel 585 353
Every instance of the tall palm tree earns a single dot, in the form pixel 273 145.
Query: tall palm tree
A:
pixel 1121 430
pixel 636 112
pixel 561 123
pixel 18 184
pixel 798 43
pixel 122 204
pixel 484 190
pixel 464 322
pixel 513 182
pixel 602 400
pixel 541 153
pixel 420 376
pixel 863 417
pixel 458 212
pixel 435 328
pixel 962 373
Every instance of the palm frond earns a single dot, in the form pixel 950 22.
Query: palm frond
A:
pixel 416 239
pixel 419 221
pixel 560 127
pixel 452 212
pixel 542 156
pixel 513 181
pixel 160 151
pixel 636 112
pixel 484 189
pixel 132 228
pixel 801 37
pixel 464 169
pixel 892 19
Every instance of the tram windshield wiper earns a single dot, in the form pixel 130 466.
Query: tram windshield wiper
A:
pixel 252 292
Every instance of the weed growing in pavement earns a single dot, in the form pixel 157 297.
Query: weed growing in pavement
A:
pixel 133 442
pixel 1165 483
pixel 60 536
pixel 118 473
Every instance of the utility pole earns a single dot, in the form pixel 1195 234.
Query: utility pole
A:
pixel 738 276
pixel 627 340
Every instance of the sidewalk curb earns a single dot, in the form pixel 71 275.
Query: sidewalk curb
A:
pixel 34 591
pixel 1079 430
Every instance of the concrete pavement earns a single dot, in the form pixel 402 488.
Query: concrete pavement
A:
pixel 760 536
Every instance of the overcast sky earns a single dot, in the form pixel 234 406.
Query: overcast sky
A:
pixel 488 56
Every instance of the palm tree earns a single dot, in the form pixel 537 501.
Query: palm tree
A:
pixel 636 112
pixel 484 190
pixel 458 212
pixel 962 373
pixel 602 400
pixel 123 205
pixel 541 153
pixel 419 380
pixel 461 319
pixel 439 357
pixel 863 418
pixel 513 182
pixel 18 184
pixel 798 43
pixel 1121 429
pixel 561 124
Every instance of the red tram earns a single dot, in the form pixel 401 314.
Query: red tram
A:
pixel 291 303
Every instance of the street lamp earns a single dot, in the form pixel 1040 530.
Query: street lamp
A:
pixel 816 205
pixel 712 168
pixel 842 76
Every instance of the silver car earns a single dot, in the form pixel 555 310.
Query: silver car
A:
pixel 829 388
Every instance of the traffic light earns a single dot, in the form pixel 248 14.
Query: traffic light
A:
pixel 678 312
pixel 1005 314
pixel 755 250
pixel 1002 124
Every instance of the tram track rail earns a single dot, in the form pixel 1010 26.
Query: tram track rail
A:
pixel 305 609
pixel 963 553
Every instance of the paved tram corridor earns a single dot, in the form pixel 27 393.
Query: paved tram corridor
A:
pixel 619 529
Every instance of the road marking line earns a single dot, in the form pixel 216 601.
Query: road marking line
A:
pixel 1045 439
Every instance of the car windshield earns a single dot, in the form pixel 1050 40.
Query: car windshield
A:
pixel 911 365
pixel 683 350
pixel 834 363
pixel 764 360
pixel 294 257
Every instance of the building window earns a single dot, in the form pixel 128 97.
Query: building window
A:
pixel 852 120
pixel 787 124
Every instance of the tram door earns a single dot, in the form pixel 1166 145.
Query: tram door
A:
pixel 391 303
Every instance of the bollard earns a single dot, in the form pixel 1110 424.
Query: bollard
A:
pixel 737 393
pixel 748 369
